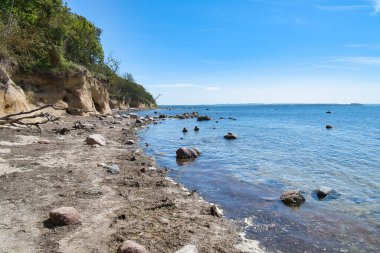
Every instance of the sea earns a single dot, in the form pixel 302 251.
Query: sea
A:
pixel 278 148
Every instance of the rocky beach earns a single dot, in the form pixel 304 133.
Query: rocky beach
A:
pixel 119 193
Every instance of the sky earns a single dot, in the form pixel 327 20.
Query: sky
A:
pixel 244 51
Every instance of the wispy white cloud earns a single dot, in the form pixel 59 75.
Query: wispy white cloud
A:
pixel 367 46
pixel 357 60
pixel 341 7
pixel 174 85
pixel 184 86
pixel 376 6
pixel 213 88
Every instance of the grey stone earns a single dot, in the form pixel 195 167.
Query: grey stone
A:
pixel 113 169
pixel 96 139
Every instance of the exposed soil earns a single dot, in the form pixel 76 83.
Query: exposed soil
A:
pixel 138 204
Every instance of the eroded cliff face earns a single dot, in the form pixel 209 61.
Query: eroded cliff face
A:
pixel 79 93
pixel 12 97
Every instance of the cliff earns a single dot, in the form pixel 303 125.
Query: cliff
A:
pixel 79 92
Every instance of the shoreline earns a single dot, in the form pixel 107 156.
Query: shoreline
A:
pixel 41 172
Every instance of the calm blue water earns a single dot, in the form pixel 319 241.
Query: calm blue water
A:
pixel 281 147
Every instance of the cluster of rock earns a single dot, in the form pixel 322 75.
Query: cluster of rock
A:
pixel 295 198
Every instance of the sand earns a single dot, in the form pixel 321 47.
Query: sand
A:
pixel 140 203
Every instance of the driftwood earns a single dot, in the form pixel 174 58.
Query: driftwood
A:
pixel 23 118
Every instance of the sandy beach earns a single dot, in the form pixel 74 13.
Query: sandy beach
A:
pixel 41 172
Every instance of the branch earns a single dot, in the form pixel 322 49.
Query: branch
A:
pixel 31 111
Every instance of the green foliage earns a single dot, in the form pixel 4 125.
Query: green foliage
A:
pixel 125 89
pixel 45 34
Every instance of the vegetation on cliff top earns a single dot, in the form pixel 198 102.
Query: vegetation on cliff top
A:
pixel 45 34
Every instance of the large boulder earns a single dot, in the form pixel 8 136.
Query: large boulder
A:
pixel 64 216
pixel 96 139
pixel 188 249
pixel 204 118
pixel 131 247
pixel 292 198
pixel 187 153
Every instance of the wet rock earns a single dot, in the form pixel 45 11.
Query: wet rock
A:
pixel 96 139
pixel 196 128
pixel 184 130
pixel 204 118
pixel 230 136
pixel 162 116
pixel 139 121
pixel 292 198
pixel 329 127
pixel 188 249
pixel 323 191
pixel 130 142
pixel 187 153
pixel 215 211
pixel 131 247
pixel 64 216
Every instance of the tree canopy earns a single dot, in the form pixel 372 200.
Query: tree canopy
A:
pixel 46 34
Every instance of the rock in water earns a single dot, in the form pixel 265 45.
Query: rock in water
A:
pixel 187 153
pixel 96 139
pixel 292 198
pixel 64 216
pixel 323 192
pixel 230 136
pixel 131 247
pixel 188 249
pixel 203 118
pixel 329 127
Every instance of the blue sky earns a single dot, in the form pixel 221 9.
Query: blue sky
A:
pixel 244 51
